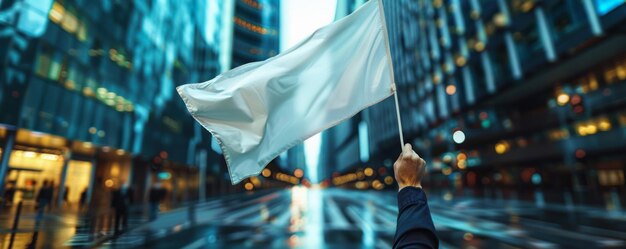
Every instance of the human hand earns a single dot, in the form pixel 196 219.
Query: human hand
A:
pixel 409 168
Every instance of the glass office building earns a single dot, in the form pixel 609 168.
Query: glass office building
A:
pixel 256 29
pixel 506 98
pixel 87 92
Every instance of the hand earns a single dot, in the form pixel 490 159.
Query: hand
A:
pixel 409 168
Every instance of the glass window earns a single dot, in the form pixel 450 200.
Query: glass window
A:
pixel 43 65
pixel 528 41
pixel 501 64
pixel 565 17
pixel 55 67
pixel 605 6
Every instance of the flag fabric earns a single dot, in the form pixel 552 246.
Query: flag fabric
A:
pixel 261 109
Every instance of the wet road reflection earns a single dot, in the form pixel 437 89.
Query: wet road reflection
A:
pixel 336 218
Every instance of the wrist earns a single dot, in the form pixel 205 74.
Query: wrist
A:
pixel 400 187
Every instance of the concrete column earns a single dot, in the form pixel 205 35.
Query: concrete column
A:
pixel 202 165
pixel 68 158
pixel 92 183
pixel 4 158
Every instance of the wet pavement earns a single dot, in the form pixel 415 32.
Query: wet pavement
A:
pixel 334 218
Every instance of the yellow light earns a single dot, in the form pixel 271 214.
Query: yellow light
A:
pixel 388 180
pixel 30 154
pixel 604 125
pixel 462 164
pixel 377 185
pixel 248 186
pixel 368 172
pixel 50 157
pixel 362 184
pixel 582 130
pixel 446 171
pixel 108 183
pixel 70 23
pixel 461 156
pixel 460 61
pixel 298 173
pixel 562 99
pixel 592 129
pixel 451 89
pixel 255 181
pixel 266 173
pixel 480 46
pixel 56 12
pixel 500 20
pixel 528 5
pixel 120 152
pixel 502 147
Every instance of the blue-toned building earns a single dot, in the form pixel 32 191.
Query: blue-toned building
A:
pixel 87 94
pixel 503 98
pixel 255 31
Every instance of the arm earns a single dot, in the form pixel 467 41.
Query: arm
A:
pixel 415 227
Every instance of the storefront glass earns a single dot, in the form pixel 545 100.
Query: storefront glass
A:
pixel 78 179
pixel 28 170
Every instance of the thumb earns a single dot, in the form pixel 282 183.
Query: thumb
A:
pixel 407 150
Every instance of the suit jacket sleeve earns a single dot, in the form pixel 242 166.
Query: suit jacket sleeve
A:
pixel 415 227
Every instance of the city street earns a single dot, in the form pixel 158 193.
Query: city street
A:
pixel 291 124
pixel 337 218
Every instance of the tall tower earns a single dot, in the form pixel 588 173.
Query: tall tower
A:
pixel 255 31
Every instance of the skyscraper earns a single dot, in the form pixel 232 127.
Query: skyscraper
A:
pixel 256 29
pixel 506 94
pixel 88 87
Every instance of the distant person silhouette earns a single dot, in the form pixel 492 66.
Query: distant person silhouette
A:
pixel 83 199
pixel 66 195
pixel 157 194
pixel 121 200
pixel 415 227
pixel 9 194
pixel 44 198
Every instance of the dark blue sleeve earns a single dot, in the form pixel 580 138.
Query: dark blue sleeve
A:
pixel 415 227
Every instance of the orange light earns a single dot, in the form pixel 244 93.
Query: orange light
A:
pixel 368 172
pixel 298 173
pixel 451 89
pixel 388 180
pixel 266 173
pixel 248 186
pixel 108 183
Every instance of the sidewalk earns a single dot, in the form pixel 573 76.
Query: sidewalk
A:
pixel 58 227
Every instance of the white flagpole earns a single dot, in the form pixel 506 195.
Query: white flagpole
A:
pixel 393 81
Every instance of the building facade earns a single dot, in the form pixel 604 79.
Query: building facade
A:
pixel 506 98
pixel 256 31
pixel 88 92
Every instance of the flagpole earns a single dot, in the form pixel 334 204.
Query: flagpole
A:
pixel 381 9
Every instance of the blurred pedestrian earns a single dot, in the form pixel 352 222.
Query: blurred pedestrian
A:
pixel 83 199
pixel 66 196
pixel 44 198
pixel 415 228
pixel 121 200
pixel 9 194
pixel 157 194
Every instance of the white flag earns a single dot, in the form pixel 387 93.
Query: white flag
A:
pixel 259 110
